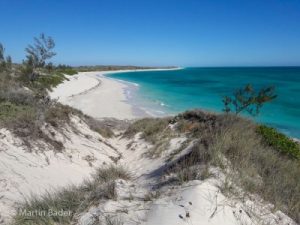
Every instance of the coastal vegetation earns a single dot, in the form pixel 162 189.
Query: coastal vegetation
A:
pixel 279 141
pixel 5 62
pixel 251 160
pixel 25 106
pixel 247 153
pixel 248 100
pixel 38 54
pixel 116 67
pixel 73 199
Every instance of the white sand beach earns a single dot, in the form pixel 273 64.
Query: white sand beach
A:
pixel 97 95
pixel 94 95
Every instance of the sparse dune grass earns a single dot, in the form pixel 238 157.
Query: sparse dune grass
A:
pixel 150 128
pixel 99 127
pixel 233 144
pixel 71 200
pixel 258 168
pixel 156 131
pixel 57 114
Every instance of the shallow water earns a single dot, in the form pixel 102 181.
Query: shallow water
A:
pixel 169 92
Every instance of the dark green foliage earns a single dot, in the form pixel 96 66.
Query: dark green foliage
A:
pixel 113 67
pixel 50 81
pixel 69 71
pixel 247 99
pixel 279 141
pixel 65 69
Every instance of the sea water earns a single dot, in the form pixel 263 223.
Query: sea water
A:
pixel 169 92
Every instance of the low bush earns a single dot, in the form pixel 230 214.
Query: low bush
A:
pixel 68 71
pixel 50 81
pixel 279 141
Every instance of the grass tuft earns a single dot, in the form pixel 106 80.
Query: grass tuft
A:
pixel 151 129
pixel 111 173
pixel 72 200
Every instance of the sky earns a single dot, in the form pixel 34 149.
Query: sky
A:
pixel 157 32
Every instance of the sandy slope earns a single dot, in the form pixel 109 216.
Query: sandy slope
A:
pixel 23 173
pixel 195 203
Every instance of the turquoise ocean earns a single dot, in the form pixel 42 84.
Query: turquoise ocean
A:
pixel 173 91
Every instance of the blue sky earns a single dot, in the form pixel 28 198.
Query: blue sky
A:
pixel 157 32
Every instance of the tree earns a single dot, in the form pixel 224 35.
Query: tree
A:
pixel 1 52
pixel 40 51
pixel 2 59
pixel 247 99
pixel 5 63
pixel 49 67
pixel 8 62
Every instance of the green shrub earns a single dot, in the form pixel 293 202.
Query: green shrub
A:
pixel 279 141
pixel 68 71
pixel 50 81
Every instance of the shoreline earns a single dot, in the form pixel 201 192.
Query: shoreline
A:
pixel 143 111
pixel 100 96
